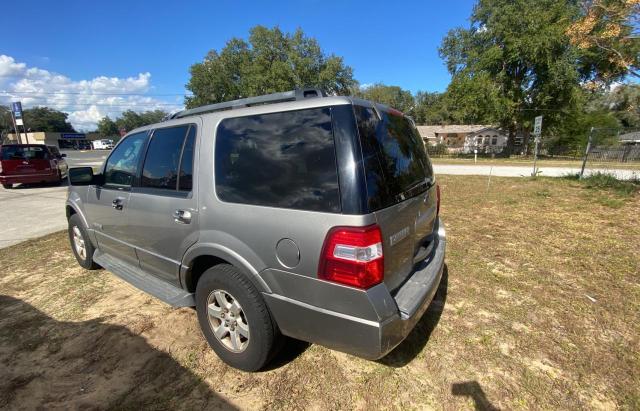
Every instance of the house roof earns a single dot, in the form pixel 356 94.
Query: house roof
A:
pixel 634 136
pixel 432 131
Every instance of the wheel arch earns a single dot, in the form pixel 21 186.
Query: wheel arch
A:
pixel 201 257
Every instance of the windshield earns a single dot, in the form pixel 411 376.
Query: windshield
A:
pixel 396 163
pixel 23 153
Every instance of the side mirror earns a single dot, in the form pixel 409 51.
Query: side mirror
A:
pixel 63 155
pixel 82 176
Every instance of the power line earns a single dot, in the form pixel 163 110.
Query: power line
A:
pixel 92 94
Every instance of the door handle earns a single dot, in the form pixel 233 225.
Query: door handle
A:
pixel 182 216
pixel 117 203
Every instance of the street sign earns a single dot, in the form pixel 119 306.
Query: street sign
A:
pixel 537 126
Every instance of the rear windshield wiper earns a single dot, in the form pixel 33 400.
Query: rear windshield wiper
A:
pixel 409 192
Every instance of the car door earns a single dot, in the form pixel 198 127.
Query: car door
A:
pixel 163 212
pixel 107 204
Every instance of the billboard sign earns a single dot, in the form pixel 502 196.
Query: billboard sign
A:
pixel 73 135
pixel 16 108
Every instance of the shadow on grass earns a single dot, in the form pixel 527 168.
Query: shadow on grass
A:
pixel 473 390
pixel 47 363
pixel 418 338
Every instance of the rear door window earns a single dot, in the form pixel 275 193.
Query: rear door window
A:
pixel 396 163
pixel 282 160
pixel 161 164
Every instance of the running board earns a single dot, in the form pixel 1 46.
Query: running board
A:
pixel 172 295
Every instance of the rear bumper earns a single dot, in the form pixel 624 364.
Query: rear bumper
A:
pixel 375 330
pixel 29 178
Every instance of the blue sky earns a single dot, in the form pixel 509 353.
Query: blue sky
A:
pixel 391 42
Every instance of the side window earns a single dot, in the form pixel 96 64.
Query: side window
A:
pixel 185 180
pixel 161 164
pixel 282 160
pixel 122 164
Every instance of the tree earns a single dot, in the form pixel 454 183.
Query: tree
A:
pixel 624 103
pixel 431 108
pixel 46 119
pixel 271 61
pixel 607 36
pixel 392 96
pixel 514 62
pixel 107 127
pixel 130 119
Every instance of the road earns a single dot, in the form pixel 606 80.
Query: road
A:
pixel 34 211
pixel 522 171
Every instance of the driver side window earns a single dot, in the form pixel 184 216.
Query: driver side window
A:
pixel 122 165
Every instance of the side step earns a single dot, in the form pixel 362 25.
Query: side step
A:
pixel 172 295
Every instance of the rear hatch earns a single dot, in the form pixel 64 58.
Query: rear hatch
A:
pixel 24 160
pixel 401 188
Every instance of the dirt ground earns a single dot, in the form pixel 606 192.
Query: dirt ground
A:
pixel 539 309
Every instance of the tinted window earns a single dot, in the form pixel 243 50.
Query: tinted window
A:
pixel 280 160
pixel 396 163
pixel 163 158
pixel 122 165
pixel 186 165
pixel 24 153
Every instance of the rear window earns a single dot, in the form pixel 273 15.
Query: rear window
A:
pixel 396 163
pixel 282 160
pixel 23 153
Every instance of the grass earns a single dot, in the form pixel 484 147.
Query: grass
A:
pixel 539 309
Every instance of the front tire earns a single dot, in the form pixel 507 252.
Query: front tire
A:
pixel 81 244
pixel 235 319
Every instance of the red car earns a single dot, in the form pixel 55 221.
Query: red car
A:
pixel 31 163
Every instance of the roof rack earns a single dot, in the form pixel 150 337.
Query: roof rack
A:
pixel 293 95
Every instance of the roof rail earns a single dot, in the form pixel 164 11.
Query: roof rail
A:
pixel 293 95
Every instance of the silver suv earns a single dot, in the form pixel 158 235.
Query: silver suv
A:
pixel 291 214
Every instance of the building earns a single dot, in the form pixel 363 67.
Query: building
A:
pixel 630 138
pixel 488 140
pixel 60 140
pixel 467 138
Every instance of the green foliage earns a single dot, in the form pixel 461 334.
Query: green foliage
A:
pixel 46 119
pixel 271 61
pixel 130 119
pixel 431 108
pixel 623 102
pixel 604 181
pixel 392 96
pixel 107 127
pixel 514 62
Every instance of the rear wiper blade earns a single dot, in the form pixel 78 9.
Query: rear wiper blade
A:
pixel 403 195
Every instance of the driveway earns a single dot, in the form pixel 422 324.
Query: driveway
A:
pixel 31 212
pixel 36 210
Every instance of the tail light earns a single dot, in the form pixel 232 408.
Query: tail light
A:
pixel 353 256
pixel 438 199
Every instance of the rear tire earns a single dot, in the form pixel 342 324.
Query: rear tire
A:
pixel 230 306
pixel 81 244
pixel 7 186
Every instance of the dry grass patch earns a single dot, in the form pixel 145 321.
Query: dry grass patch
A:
pixel 539 309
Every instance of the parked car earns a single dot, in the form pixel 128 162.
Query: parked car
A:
pixel 31 163
pixel 290 214
pixel 102 144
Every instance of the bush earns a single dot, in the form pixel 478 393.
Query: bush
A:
pixel 607 181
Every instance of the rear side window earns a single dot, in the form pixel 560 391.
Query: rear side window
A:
pixel 23 153
pixel 282 160
pixel 169 154
pixel 395 160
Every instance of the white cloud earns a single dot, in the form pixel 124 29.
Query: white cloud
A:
pixel 86 101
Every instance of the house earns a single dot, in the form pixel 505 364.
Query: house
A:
pixel 487 140
pixel 630 138
pixel 466 138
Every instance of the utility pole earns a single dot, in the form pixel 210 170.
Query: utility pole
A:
pixel 586 152
pixel 537 130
